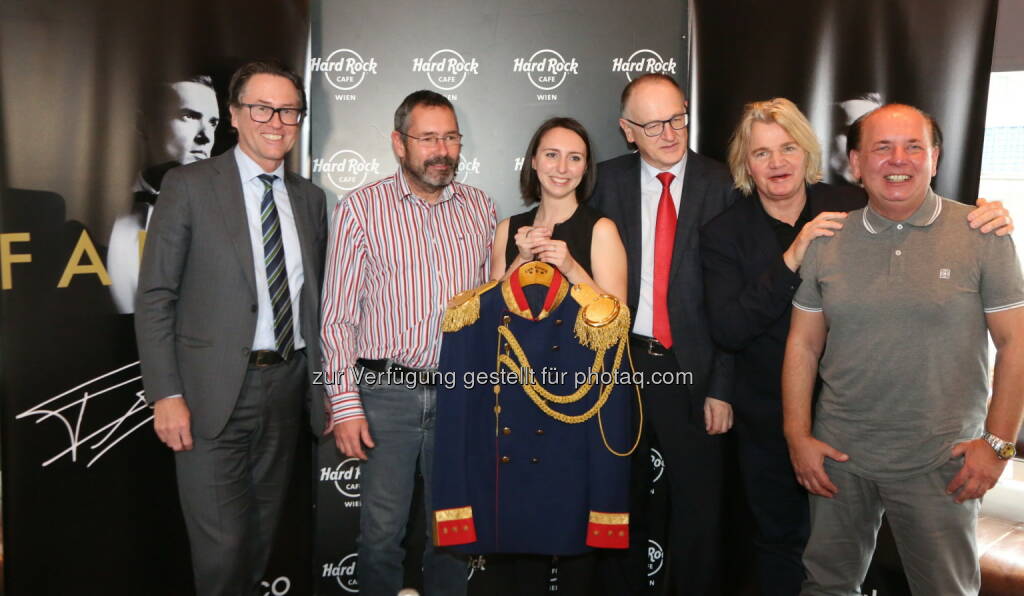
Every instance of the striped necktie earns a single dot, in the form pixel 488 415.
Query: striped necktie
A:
pixel 277 274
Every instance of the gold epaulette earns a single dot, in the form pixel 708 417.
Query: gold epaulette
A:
pixel 602 322
pixel 464 308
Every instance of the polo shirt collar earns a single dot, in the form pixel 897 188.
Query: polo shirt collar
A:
pixel 925 215
pixel 452 191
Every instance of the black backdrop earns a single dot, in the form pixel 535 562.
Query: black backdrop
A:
pixel 934 54
pixel 89 499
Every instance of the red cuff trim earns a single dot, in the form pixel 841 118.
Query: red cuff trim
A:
pixel 608 530
pixel 454 526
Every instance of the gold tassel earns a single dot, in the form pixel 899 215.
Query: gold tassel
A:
pixel 464 308
pixel 463 315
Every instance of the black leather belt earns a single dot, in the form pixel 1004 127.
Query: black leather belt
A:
pixel 400 374
pixel 649 345
pixel 262 358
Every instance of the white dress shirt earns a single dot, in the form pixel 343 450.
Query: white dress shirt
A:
pixel 252 191
pixel 650 196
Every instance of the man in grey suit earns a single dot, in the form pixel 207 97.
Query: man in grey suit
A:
pixel 227 321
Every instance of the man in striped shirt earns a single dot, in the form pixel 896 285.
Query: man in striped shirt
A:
pixel 399 249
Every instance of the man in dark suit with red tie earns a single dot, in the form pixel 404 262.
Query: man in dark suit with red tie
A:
pixel 659 197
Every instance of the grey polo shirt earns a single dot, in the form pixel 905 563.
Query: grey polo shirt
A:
pixel 905 367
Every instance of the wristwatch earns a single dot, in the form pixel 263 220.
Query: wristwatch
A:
pixel 1003 449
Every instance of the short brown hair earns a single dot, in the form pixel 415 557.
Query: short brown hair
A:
pixel 529 183
pixel 270 67
pixel 423 97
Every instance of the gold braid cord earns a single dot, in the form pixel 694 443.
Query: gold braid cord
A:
pixel 600 324
pixel 533 389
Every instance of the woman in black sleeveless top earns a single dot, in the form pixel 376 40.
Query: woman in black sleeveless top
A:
pixel 558 172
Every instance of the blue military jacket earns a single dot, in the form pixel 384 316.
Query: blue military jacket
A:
pixel 509 476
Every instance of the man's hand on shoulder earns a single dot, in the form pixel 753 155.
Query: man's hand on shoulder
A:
pixel 351 436
pixel 991 216
pixel 981 470
pixel 808 456
pixel 173 423
pixel 717 416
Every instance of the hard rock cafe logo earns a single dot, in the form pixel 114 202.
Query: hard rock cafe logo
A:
pixel 546 69
pixel 344 572
pixel 642 62
pixel 657 465
pixel 345 477
pixel 467 166
pixel 446 69
pixel 655 558
pixel 278 587
pixel 476 563
pixel 347 169
pixel 344 69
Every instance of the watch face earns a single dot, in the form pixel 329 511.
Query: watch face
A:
pixel 1007 451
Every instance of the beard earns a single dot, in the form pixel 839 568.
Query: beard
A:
pixel 431 181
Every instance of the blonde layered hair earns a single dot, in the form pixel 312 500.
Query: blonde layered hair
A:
pixel 783 112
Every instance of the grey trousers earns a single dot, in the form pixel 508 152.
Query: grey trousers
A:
pixel 934 535
pixel 232 486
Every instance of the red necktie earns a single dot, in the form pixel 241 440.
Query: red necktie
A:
pixel 664 238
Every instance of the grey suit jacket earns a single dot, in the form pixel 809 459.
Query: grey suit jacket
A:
pixel 707 191
pixel 196 309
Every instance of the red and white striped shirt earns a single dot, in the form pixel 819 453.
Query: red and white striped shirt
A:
pixel 393 262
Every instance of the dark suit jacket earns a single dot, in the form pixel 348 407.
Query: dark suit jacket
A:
pixel 707 191
pixel 749 289
pixel 196 309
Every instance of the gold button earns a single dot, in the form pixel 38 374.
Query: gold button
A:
pixel 554 348
pixel 505 459
pixel 534 460
pixel 539 431
pixel 505 319
pixel 506 431
pixel 558 321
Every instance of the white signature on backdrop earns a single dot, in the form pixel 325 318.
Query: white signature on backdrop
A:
pixel 90 439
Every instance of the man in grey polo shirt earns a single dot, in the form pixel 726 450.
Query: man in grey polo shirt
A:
pixel 904 295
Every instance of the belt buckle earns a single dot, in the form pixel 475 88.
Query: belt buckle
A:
pixel 651 345
pixel 264 358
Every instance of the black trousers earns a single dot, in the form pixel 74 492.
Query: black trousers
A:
pixel 776 500
pixel 693 475
pixel 232 486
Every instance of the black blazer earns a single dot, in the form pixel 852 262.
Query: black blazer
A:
pixel 707 191
pixel 749 289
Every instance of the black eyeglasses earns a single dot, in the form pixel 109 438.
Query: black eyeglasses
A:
pixel 261 113
pixel 656 127
pixel 451 139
